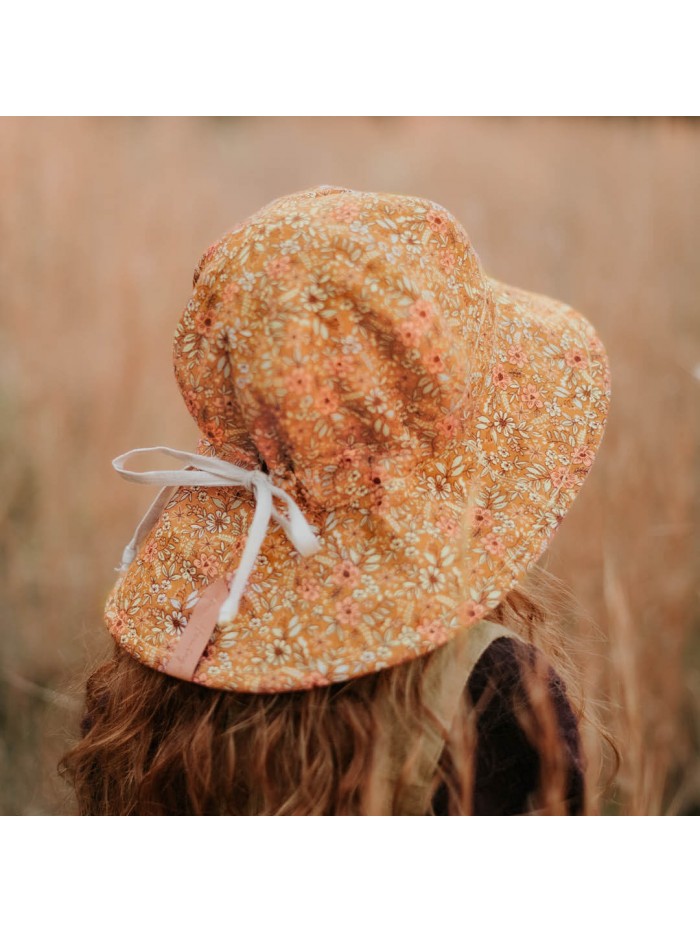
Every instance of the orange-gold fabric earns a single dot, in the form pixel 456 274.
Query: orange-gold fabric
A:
pixel 433 424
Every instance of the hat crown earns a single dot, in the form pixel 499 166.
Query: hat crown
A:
pixel 337 336
pixel 429 424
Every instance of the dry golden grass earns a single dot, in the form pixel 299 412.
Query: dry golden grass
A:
pixel 101 224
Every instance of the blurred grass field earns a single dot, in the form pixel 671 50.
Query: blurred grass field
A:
pixel 101 224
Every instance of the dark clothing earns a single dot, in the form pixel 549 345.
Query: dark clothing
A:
pixel 507 764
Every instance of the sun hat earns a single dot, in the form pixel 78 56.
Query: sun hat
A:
pixel 389 439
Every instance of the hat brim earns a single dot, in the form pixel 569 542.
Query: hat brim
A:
pixel 392 583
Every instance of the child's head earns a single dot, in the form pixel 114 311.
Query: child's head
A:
pixel 153 744
pixel 389 440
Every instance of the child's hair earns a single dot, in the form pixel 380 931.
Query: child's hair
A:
pixel 152 744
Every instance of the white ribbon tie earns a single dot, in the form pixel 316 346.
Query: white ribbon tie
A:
pixel 211 471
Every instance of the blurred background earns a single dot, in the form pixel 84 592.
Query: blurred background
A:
pixel 102 222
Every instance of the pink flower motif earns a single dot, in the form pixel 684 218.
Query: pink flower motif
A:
pixel 448 524
pixel 345 213
pixel 435 632
pixel 436 221
pixel 341 365
pixel 299 381
pixel 447 261
pixel 203 321
pixel 493 544
pixel 410 332
pixel 471 612
pixel 349 458
pixel 434 362
pixel 348 612
pixel 422 312
pixel 516 355
pixel 278 267
pixel 530 396
pixel 575 358
pixel 557 476
pixel 499 376
pixel 448 426
pixel 309 589
pixel 327 402
pixel 151 549
pixel 483 518
pixel 583 455
pixel 345 573
pixel 230 289
pixel 207 564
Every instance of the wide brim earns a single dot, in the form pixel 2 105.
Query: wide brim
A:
pixel 396 581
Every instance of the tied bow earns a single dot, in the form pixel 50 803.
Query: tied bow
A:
pixel 211 471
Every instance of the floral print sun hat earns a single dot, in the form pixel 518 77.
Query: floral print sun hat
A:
pixel 389 439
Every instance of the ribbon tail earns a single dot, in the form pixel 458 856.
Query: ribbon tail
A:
pixel 256 535
pixel 296 527
pixel 144 526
